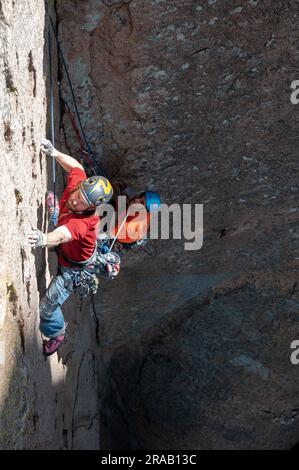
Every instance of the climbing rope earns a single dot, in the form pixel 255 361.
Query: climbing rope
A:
pixel 84 154
pixel 91 158
pixel 118 232
pixel 54 216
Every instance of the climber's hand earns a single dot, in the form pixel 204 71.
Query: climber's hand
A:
pixel 48 148
pixel 36 237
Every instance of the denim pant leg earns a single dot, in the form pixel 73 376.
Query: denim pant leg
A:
pixel 51 318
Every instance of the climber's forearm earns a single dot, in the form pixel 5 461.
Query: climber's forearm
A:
pixel 54 239
pixel 57 237
pixel 39 239
pixel 67 162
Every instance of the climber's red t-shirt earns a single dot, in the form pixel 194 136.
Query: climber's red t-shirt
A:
pixel 81 226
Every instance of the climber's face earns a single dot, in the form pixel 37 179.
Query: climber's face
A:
pixel 76 202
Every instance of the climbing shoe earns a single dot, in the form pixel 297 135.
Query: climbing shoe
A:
pixel 51 205
pixel 51 345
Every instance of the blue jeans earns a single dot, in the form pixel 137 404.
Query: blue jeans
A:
pixel 51 318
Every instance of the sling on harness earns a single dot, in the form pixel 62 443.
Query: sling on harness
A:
pixel 85 283
pixel 86 277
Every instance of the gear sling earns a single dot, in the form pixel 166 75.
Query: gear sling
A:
pixel 86 277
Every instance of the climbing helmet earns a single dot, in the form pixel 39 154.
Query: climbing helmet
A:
pixel 96 190
pixel 152 201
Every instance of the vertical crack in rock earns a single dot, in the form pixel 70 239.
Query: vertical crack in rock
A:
pixel 97 322
pixel 32 72
pixel 76 396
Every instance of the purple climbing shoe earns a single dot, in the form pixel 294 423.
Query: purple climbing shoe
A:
pixel 51 345
pixel 50 204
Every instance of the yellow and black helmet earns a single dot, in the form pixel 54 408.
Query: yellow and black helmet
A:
pixel 96 190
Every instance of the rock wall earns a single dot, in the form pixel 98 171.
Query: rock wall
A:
pixel 193 99
pixel 27 382
pixel 43 402
pixel 187 349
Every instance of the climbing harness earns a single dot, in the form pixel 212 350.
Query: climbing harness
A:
pixel 86 277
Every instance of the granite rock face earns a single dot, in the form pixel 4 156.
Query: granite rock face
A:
pixel 193 99
pixel 187 349
pixel 26 381
pixel 43 402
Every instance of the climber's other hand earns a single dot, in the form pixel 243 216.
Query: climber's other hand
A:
pixel 48 148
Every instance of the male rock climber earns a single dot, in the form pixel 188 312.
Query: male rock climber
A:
pixel 75 239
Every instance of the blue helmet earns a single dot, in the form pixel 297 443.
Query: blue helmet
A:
pixel 152 201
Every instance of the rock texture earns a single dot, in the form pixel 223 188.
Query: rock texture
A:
pixel 43 403
pixel 193 99
pixel 27 382
pixel 186 349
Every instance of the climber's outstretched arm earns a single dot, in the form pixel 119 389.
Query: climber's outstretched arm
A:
pixel 68 163
pixel 37 238
pixel 58 236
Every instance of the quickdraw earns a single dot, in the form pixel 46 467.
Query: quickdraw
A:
pixel 85 283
